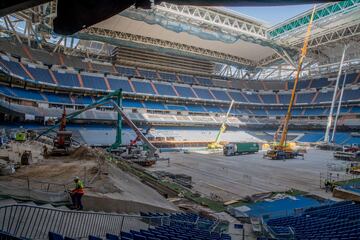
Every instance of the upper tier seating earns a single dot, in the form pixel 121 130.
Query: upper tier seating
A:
pixel 94 82
pixel 126 71
pixel 220 95
pixel 14 67
pixel 148 74
pixel 165 89
pixel 252 97
pixel 237 96
pixel 269 98
pixel 319 83
pixel 204 81
pixel 337 221
pixel 119 83
pixel 40 74
pixel 143 87
pixel 171 77
pixel 184 91
pixel 324 97
pixel 187 79
pixel 203 93
pixel 67 79
pixel 103 68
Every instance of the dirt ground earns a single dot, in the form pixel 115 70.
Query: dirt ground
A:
pixel 101 179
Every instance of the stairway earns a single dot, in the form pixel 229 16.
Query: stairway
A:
pixel 32 221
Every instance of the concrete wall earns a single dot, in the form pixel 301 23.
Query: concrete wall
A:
pixel 105 204
pixel 347 195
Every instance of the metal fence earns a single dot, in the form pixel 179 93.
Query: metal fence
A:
pixel 34 222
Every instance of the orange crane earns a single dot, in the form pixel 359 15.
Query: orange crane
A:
pixel 282 150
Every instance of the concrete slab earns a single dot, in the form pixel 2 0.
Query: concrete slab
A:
pixel 239 176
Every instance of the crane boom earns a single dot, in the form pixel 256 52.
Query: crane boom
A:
pixel 223 126
pixel 301 60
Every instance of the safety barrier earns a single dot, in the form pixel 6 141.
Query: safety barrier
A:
pixel 34 222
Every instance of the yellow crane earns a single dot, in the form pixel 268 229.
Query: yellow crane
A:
pixel 216 144
pixel 282 150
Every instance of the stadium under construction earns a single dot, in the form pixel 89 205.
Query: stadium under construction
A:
pixel 179 122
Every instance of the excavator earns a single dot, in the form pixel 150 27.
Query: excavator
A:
pixel 283 150
pixel 62 142
pixel 216 144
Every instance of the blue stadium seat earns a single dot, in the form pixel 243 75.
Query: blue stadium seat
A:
pixel 119 83
pixel 187 79
pixel 302 97
pixel 94 82
pixel 143 87
pixel 334 221
pixel 314 112
pixel 165 89
pixel 203 93
pixel 57 98
pixel 148 74
pixel 82 100
pixel 67 79
pixel 128 103
pixel 55 236
pixel 27 94
pixel 171 77
pixel 220 95
pixel 176 107
pixel 319 83
pixel 40 74
pixel 185 91
pixel 154 105
pixel 253 98
pixel 126 71
pixel 268 98
pixel 284 98
pixel 324 97
pixel 112 237
pixel 237 96
pixel 204 81
pixel 351 95
pixel 196 108
pixel 94 238
pixel 14 68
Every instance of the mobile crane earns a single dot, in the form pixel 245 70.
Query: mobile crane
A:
pixel 216 144
pixel 282 150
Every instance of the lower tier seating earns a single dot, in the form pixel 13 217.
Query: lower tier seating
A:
pixel 337 221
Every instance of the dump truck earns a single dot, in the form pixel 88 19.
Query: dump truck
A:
pixel 232 149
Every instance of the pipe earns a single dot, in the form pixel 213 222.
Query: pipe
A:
pixel 338 109
pixel 329 122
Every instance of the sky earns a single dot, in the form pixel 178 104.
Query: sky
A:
pixel 273 15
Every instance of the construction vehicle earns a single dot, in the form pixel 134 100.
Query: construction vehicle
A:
pixel 232 149
pixel 20 135
pixel 216 144
pixel 349 153
pixel 145 156
pixel 354 168
pixel 62 142
pixel 282 150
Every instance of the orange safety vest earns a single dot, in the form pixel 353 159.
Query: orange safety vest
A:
pixel 79 187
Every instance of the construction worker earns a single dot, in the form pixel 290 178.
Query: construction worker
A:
pixel 77 193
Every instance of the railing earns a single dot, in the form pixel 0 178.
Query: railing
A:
pixel 33 222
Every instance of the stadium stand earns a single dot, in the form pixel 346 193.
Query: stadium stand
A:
pixel 143 87
pixel 119 83
pixel 164 89
pixel 67 79
pixel 335 221
pixel 94 82
pixel 203 93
